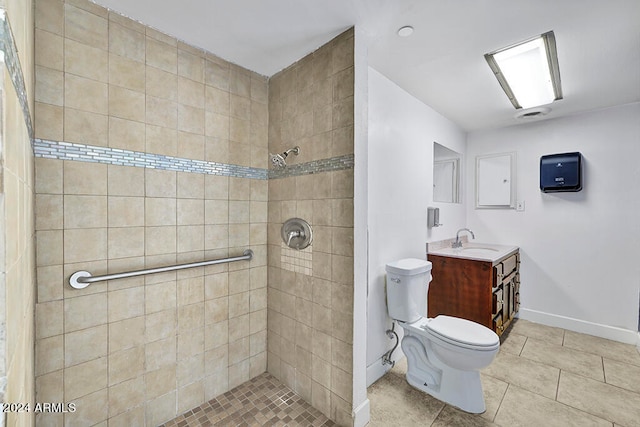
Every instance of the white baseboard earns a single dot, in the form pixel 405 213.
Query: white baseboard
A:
pixel 375 371
pixel 604 331
pixel 362 414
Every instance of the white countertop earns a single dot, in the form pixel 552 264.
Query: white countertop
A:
pixel 477 251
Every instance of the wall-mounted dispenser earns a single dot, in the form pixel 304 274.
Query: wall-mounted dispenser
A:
pixel 433 217
pixel 561 172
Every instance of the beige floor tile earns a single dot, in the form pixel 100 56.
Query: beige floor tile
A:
pixel 600 399
pixel 523 408
pixel 513 343
pixel 614 350
pixel 395 403
pixel 622 375
pixel 533 376
pixel 452 417
pixel 493 390
pixel 578 362
pixel 536 330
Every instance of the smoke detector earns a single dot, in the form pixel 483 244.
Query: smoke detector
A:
pixel 532 113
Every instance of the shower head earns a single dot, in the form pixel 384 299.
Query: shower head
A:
pixel 278 160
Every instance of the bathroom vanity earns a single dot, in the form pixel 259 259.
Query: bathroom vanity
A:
pixel 479 282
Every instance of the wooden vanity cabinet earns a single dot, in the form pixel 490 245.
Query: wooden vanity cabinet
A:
pixel 485 292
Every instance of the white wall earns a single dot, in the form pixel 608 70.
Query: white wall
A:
pixel 400 187
pixel 580 251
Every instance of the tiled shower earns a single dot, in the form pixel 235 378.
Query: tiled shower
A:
pixel 150 152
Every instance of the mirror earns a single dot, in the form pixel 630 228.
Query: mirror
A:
pixel 495 181
pixel 446 174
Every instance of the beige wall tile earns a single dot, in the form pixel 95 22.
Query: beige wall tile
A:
pixel 126 334
pixel 85 244
pixel 191 119
pixel 49 86
pixel 85 211
pixel 190 65
pixel 85 345
pixel 191 145
pixel 217 73
pixel 160 183
pixel 161 409
pixel 190 395
pixel 190 185
pixel 127 73
pixel 126 364
pixel 125 395
pixel 85 27
pixel 49 122
pixel 85 94
pixel 126 303
pixel 85 311
pixel 161 55
pixel 126 181
pixel 126 42
pixel 160 353
pixel 50 282
pixel 90 409
pixel 49 250
pixel 85 378
pixel 49 16
pixel 160 140
pixel 191 343
pixel 126 211
pixel 161 112
pixel 86 61
pixel 84 127
pixel 161 326
pixel 160 240
pixel 49 50
pixel 126 104
pixel 49 319
pixel 161 84
pixel 126 242
pixel 49 354
pixel 85 178
pixel 49 212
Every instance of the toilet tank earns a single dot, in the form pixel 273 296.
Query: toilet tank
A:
pixel 407 285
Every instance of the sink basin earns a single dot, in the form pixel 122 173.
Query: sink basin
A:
pixel 477 251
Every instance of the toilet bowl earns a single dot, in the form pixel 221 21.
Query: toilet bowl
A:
pixel 444 354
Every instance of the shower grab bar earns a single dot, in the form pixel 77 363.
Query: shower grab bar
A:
pixel 82 279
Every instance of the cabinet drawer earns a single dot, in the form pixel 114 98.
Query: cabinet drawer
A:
pixel 509 265
pixel 498 298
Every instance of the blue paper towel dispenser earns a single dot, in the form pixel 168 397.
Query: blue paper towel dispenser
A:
pixel 561 172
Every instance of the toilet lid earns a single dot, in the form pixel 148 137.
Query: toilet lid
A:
pixel 462 331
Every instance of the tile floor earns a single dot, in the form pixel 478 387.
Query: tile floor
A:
pixel 543 376
pixel 262 401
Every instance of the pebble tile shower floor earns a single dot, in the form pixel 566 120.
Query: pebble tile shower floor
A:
pixel 262 401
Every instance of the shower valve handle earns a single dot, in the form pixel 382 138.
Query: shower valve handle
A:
pixel 292 234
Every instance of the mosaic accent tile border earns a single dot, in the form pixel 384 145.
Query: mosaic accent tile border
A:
pixel 116 156
pixel 316 166
pixel 11 59
pixel 295 260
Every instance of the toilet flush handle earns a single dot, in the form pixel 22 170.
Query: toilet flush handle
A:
pixel 396 279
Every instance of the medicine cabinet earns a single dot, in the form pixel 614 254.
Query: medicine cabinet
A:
pixel 495 181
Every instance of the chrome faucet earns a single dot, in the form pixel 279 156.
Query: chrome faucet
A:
pixel 458 243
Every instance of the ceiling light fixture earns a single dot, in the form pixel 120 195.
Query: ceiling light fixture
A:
pixel 528 71
pixel 405 31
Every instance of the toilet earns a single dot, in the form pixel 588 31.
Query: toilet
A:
pixel 444 354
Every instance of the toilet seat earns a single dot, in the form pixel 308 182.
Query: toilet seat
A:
pixel 458 332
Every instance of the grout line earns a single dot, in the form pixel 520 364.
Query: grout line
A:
pixel 500 404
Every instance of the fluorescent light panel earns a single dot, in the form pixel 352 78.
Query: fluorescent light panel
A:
pixel 528 71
